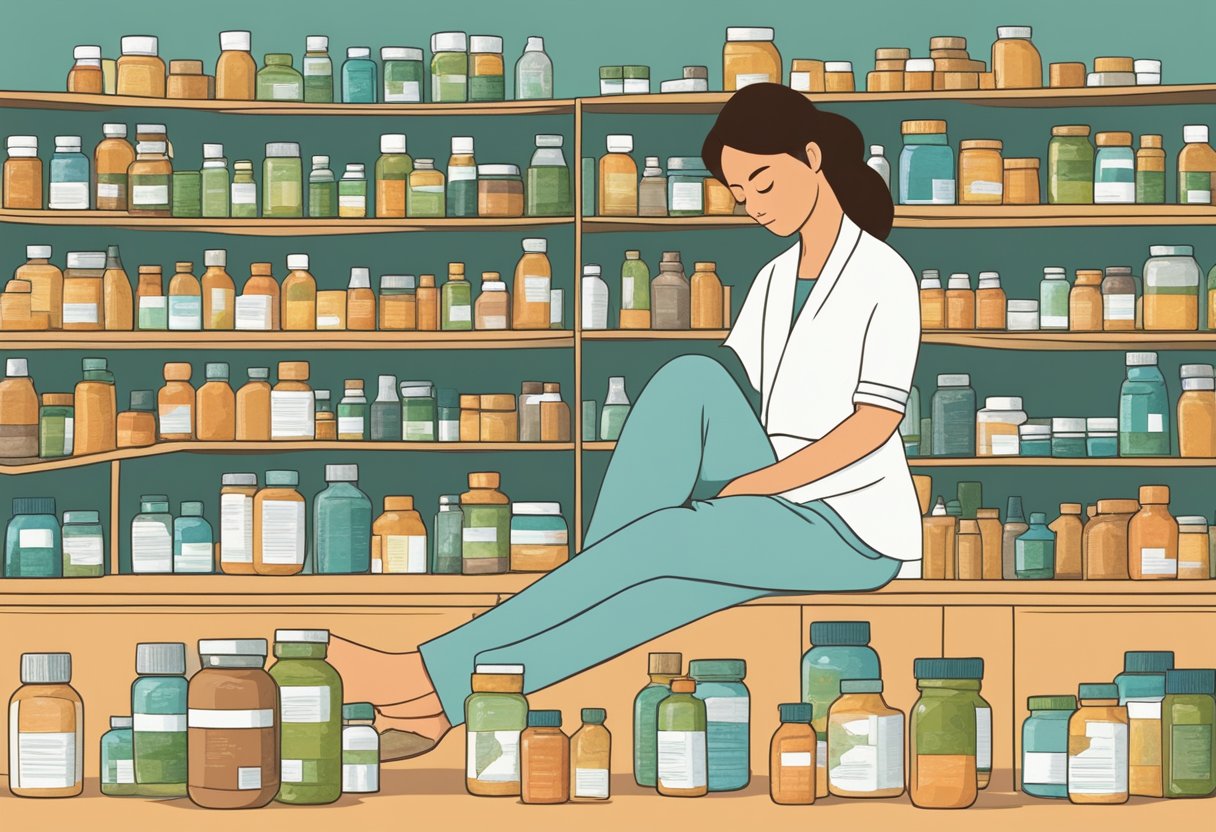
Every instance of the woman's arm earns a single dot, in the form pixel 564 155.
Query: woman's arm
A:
pixel 857 436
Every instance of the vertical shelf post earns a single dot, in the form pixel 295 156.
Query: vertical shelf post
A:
pixel 576 406
pixel 115 468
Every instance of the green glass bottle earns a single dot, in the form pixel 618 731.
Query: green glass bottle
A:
pixel 117 766
pixel 281 181
pixel 456 301
pixel 322 189
pixel 215 184
pixel 310 713
pixel 342 524
pixel 318 70
pixel 278 80
pixel 158 711
pixel 547 190
pixel 663 667
pixel 244 191
pixel 682 762
pixel 1188 726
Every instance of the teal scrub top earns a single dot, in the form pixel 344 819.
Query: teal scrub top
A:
pixel 802 291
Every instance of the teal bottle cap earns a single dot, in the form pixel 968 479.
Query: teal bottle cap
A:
pixel 143 400
pixel 258 372
pixel 1038 518
pixel 192 508
pixel 283 478
pixel 948 668
pixel 1190 681
pixel 160 658
pixel 1087 690
pixel 1052 703
pixel 840 633
pixel 34 505
pixel 358 711
pixel 593 716
pixel 800 712
pixel 93 364
pixel 861 686
pixel 81 516
pixel 717 669
pixel 1013 511
pixel 544 719
pixel 217 370
pixel 1148 661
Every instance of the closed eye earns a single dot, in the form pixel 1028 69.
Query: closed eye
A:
pixel 765 189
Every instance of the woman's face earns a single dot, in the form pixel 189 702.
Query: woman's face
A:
pixel 779 191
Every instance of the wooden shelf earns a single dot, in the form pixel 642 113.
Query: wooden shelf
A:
pixel 1062 341
pixel 655 334
pixel 162 448
pixel 272 226
pixel 38 100
pixel 324 340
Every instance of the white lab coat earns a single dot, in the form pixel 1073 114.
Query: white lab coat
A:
pixel 855 342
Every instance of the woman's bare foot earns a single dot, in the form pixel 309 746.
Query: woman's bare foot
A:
pixel 401 739
pixel 376 676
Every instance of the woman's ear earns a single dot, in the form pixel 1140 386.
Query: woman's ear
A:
pixel 814 156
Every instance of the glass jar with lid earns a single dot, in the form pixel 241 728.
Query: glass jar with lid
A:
pixel 486 73
pixel 926 164
pixel 1070 166
pixel 1016 63
pixel 1114 169
pixel 1118 299
pixel 980 172
pixel 1171 289
pixel 1085 302
pixel 539 538
pixel 1034 438
pixel 495 714
pixel 500 191
pixel 449 67
pixel 278 80
pixel 402 74
pixel 1045 745
pixel 750 57
pixel 487 525
pixel 686 177
pixel 943 735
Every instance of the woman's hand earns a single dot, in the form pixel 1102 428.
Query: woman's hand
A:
pixel 745 484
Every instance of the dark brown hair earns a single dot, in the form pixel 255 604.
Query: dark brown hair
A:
pixel 767 119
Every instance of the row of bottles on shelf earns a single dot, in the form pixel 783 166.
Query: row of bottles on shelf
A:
pixel 94 293
pixel 264 531
pixel 87 420
pixel 1108 540
pixel 956 428
pixel 147 181
pixel 462 68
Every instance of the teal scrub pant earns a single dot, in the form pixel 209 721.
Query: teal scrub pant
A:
pixel 662 549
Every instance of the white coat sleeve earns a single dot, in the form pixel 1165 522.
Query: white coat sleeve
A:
pixel 892 340
pixel 746 337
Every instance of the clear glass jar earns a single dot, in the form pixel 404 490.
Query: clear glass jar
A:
pixel 1114 169
pixel 1070 166
pixel 926 164
pixel 534 72
pixel 278 80
pixel 686 177
pixel 1171 289
pixel 548 189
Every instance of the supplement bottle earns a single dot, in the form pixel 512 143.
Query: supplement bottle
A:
pixel 398 302
pixel 386 412
pixel 278 80
pixel 244 191
pixel 530 289
pixel 45 729
pixel 393 169
pixel 299 295
pixel 865 742
pixel 236 523
pixel 428 304
pixel 1144 420
pixel 219 292
pixel 18 412
pixel 193 541
pixel 158 708
pixel 990 302
pixel 175 404
pixel 1105 540
pixel 325 424
pixel 493 307
pixel 495 715
pixel 214 183
pixel 461 195
pixel 84 545
pixel 1141 689
pixel 1188 721
pixel 590 757
pixel 635 292
pixel 1194 557
pixel 1085 302
pixel 943 745
pixel 82 291
pixel 85 76
pixel 46 284
pixel 1070 166
pixel 1016 63
pixel 360 749
pixel 939 533
pixel 594 298
pixel 1150 171
pixel 663 668
pixel 500 191
pixel 111 159
pixel 1097 747
pixel 448 404
pixel 617 195
pixel 670 295
pixel 235 69
pixel 258 306
pixel 352 412
pixel 1197 412
pixel 991 531
pixel 403 75
pixel 544 756
pixel 117 763
pixel 791 761
pixel 22 173
pixel 682 760
pixel 282 175
pixel 1035 550
pixel 292 404
pixel 727 713
pixel 359 76
pixel 137 426
pixel 548 189
pixel 1196 163
pixel 878 162
pixel 1045 745
pixel 996 426
pixel 152 536
pixel 232 736
pixel 399 539
pixel 652 190
pixel 539 538
pixel 318 70
pixel 96 410
pixel 980 172
pixel 322 189
pixel 1152 537
pixel 456 301
pixel 449 67
pixel 253 407
pixel 141 72
pixel 1171 289
pixel 534 72
pixel 615 411
pixel 969 552
pixel 342 524
pixel 310 713
pixel 150 179
pixel 926 164
pixel 446 558
pixel 840 650
pixel 486 73
pixel 706 297
pixel 486 533
pixel 1068 529
pixel 1053 299
pixel 1114 169
pixel 185 299
pixel 278 525
pixel 419 411
pixel 953 414
pixel 33 546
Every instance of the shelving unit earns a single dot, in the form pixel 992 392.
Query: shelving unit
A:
pixel 320 340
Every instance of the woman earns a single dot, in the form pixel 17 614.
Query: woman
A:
pixel 703 506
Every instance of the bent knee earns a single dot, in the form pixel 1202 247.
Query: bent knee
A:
pixel 694 370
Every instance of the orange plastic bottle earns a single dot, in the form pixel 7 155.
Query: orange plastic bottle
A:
pixel 216 406
pixel 175 404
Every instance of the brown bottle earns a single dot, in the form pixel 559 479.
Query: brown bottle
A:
pixel 1152 537
pixel 554 415
pixel 175 404
pixel 939 531
pixel 46 284
pixel 18 412
pixel 253 407
pixel 1068 529
pixel 118 306
pixel 428 304
pixel 216 406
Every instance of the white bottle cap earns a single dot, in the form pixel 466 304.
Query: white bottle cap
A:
pixel 297 262
pixel 620 143
pixel 1067 425
pixel 88 53
pixel 423 163
pixel 39 252
pixel 498 170
pixel 535 44
pixel 1195 133
pixel 493 286
pixel 320 161
pixel 113 130
pixel 877 150
pixel 215 257
pixel 1147 65
pixel 283 150
pixel 400 53
pixel 591 270
pixel 15 367
pixel 232 647
pixel 449 42
pixel 838 66
pixel 304 636
pixel 536 245
pixel 139 45
pixel 22 143
pixel 953 380
pixel 653 162
pixel 392 143
pixel 150 128
pixel 1013 32
pixel 746 33
pixel 1195 371
pixel 1102 424
pixel 341 473
pixel 1141 359
pixel 213 151
pixel 67 142
pixel 359 278
pixel 485 43
pixel 316 43
pixel 353 170
pixel 236 40
pixel 960 280
pixel 1003 403
pixel 86 260
pixel 1053 272
pixel 146 148
pixel 549 140
pixel 918 65
pixel 358 52
pixel 462 145
pixel 499 669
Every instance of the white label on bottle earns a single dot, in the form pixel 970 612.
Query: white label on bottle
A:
pixel 536 288
pixel 943 192
pixel 981 187
pixel 480 534
pixel 459 173
pixel 69 196
pixel 795 759
pixel 253 312
pixel 328 322
pixel 304 703
pixel 502 769
pixel 639 86
pixel 591 783
pixel 1045 768
pixel 1053 321
pixel 154 195
pixel 360 778
pixel 726 709
pixel 108 190
pixel 152 302
pixel 1005 445
pixel 1198 197
pixel 983 739
pixel 681 759
pixel 185 312
pixel 248 777
pixel 291 771
pixel 230 718
pixel 219 300
pixel 1117 164
pixel 36 539
pixel 744 79
pixel 236 528
pixel 1102 767
pixel 494 322
pixel 283 532
pixel 627 291
pixel 414 430
pixel 800 81
pixel 449 429
pixel 244 193
pixel 401 91
pixel 69 433
pixel 687 196
pixel 405 554
pixel 1156 423
pixel 159 723
pixel 1144 710
pixel 878 762
pixel 534 537
pixel 292 414
pixel 175 418
pixel 360 738
pixel 427 189
pixel 358 201
pixel 85 550
pixel 350 424
pixel 459 312
pixel 194 557
pixel 1114 192
pixel 1119 307
pixel 80 313
pixel 43 760
pixel 317 66
pixel 285 92
pixel 124 771
pixel 1153 561
pixel 151 547
pixel 821 756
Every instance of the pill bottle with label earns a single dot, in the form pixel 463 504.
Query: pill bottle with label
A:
pixel 193 540
pixel 219 292
pixel 96 409
pixel 235 554
pixel 996 426
pixel 791 765
pixel 360 749
pixel 591 757
pixel 279 525
pixel 749 56
pixel 1141 689
pixel 1194 555
pixel 1196 164
pixel 1045 745
pixel 46 729
pixel 152 536
pixel 495 715
pixel 1188 723
pixel 342 524
pixel 539 538
pixel 310 715
pixel 158 709
pixel 318 70
pixel 530 289
pixel 1197 412
pixel 1144 420
pixel 111 159
pixel 216 405
pixel 232 736
pixel 1152 537
pixel 141 71
pixel 926 164
pixel 662 668
pixel 683 765
pixel 944 736
pixel 136 427
pixel 84 545
pixel 1097 747
pixel 544 757
pixel 117 777
pixel 1070 166
pixel 257 309
pixel 352 412
pixel 399 545
pixel 727 713
pixel 980 172
pixel 292 404
pixel 865 742
pixel 151 305
pixel 235 69
pixel 487 525
pixel 618 179
pixel 299 295
pixel 175 403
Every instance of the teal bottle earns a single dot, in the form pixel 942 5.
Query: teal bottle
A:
pixel 615 410
pixel 663 667
pixel 193 541
pixel 33 542
pixel 1035 550
pixel 1144 408
pixel 1045 745
pixel 117 765
pixel 359 76
pixel 386 411
pixel 728 719
pixel 342 524
pixel 953 415
pixel 158 713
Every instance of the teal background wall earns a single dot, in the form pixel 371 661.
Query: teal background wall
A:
pixel 36 43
